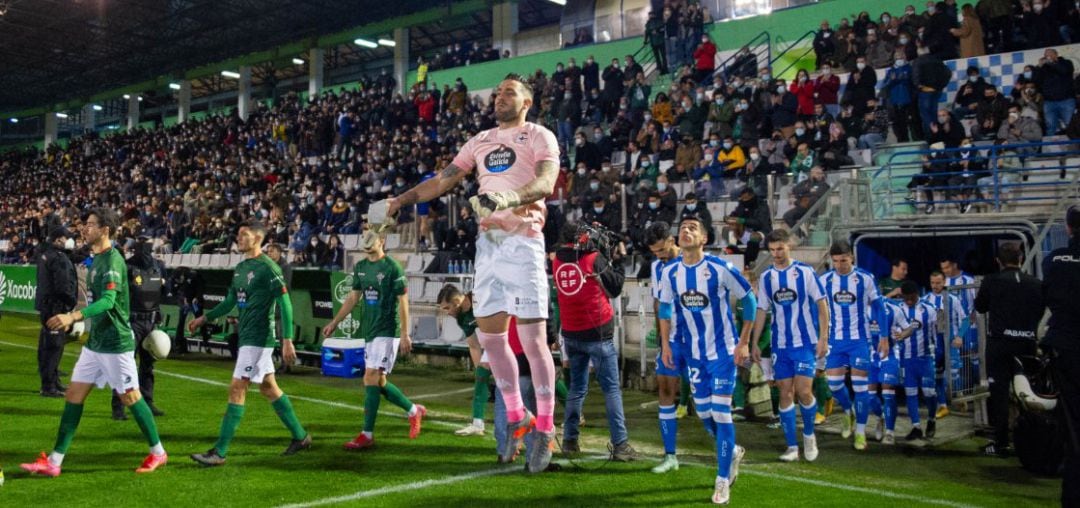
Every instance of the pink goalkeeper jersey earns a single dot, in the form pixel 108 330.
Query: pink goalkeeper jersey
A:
pixel 506 159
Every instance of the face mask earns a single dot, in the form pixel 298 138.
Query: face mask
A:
pixel 780 89
pixel 648 117
pixel 755 156
pixel 595 96
pixel 1027 74
pixel 899 63
pixel 558 69
pixel 1037 7
pixel 691 206
pixel 653 205
pixel 594 186
pixel 743 106
pixel 727 146
pixel 972 79
pixel 909 13
pixel 598 211
pixel 860 66
pixel 605 168
pixel 826 70
pixel 904 40
pixel 644 164
pixel 943 120
pixel 720 101
pixel 329 202
pixel 1014 116
pixel 581 171
pixel 568 96
pixel 314 242
pixel 714 143
pixel 885 19
pixel 802 79
pixel 931 10
pixel 579 142
pixel 400 183
pixel 766 77
pixel 69 244
pixel 800 131
pixel 661 187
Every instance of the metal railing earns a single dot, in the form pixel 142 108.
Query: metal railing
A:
pixel 794 47
pixel 760 47
pixel 1003 177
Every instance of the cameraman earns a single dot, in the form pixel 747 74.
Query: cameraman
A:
pixel 586 280
pixel 1061 277
pixel 146 283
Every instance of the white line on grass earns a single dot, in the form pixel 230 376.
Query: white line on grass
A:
pixel 395 489
pixel 490 472
pixel 443 394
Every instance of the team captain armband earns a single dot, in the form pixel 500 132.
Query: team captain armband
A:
pixel 664 311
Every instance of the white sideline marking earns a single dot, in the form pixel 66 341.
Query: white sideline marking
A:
pixel 255 389
pixel 491 472
pixel 404 487
pixel 443 394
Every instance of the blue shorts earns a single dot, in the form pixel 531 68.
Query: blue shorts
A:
pixel 848 353
pixel 918 372
pixel 788 363
pixel 884 372
pixel 678 357
pixel 422 209
pixel 712 377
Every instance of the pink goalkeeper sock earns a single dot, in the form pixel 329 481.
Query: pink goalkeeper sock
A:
pixel 534 342
pixel 504 369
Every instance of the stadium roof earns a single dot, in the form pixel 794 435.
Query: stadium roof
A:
pixel 52 51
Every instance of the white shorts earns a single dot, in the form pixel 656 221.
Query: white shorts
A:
pixel 381 353
pixel 117 370
pixel 511 276
pixel 254 363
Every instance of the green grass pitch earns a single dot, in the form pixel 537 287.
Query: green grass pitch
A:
pixel 438 469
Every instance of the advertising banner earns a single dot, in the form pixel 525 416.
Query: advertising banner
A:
pixel 340 286
pixel 18 287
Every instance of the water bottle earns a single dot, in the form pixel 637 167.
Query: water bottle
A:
pixel 453 267
pixel 468 266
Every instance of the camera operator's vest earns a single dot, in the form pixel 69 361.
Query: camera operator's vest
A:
pixel 145 284
pixel 583 305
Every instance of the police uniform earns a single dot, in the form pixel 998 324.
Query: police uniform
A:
pixel 146 279
pixel 1061 277
pixel 1015 306
pixel 57 291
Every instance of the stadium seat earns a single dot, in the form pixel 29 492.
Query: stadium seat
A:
pixel 416 287
pixel 414 264
pixel 426 329
pixel 635 297
pixel 431 291
pixel 449 331
pixel 393 241
pixel 736 260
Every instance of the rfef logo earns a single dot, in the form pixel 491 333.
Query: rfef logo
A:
pixel 569 279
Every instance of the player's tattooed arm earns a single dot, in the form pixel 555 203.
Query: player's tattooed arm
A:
pixel 445 180
pixel 542 186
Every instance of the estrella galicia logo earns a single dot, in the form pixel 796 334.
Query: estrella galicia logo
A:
pixel 500 159
pixel 917 324
pixel 844 298
pixel 694 300
pixel 241 298
pixel 784 296
pixel 371 295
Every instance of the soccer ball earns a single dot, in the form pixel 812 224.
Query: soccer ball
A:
pixel 158 344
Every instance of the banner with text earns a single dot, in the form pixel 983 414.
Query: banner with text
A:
pixel 18 287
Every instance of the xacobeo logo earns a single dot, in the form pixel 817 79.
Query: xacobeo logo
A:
pixel 9 289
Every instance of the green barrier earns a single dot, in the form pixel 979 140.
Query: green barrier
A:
pixel 18 287
pixel 341 286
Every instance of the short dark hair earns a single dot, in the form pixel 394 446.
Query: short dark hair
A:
pixel 657 232
pixel 524 85
pixel 840 248
pixel 447 293
pixel 275 246
pixel 1010 254
pixel 778 236
pixel 951 257
pixel 690 196
pixel 897 260
pixel 909 287
pixel 107 218
pixel 254 226
pixel 936 273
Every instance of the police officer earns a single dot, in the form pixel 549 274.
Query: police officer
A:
pixel 1061 278
pixel 1015 306
pixel 146 277
pixel 57 290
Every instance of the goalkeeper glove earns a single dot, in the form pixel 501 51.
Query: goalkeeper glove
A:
pixel 486 204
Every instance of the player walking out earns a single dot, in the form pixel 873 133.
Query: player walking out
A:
pixel 460 307
pixel 379 281
pixel 852 297
pixel 937 298
pixel 662 244
pixel 257 289
pixel 890 325
pixel 788 289
pixel 517 165
pixel 917 359
pixel 695 293
pixel 109 355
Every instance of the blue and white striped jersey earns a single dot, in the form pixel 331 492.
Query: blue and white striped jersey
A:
pixel 966 296
pixel 791 295
pixel 654 274
pixel 895 321
pixel 700 296
pixel 924 339
pixel 937 301
pixel 850 297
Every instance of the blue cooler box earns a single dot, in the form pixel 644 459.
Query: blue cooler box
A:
pixel 343 357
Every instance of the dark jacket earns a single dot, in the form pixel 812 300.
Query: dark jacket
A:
pixel 1014 301
pixel 928 70
pixel 1061 277
pixel 1056 80
pixel 57 287
pixel 754 214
